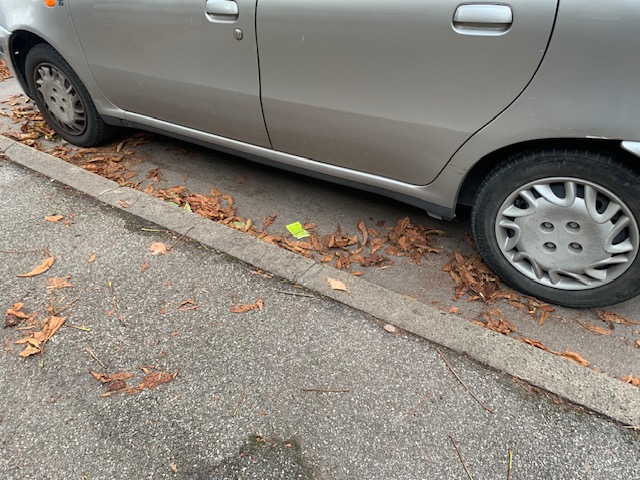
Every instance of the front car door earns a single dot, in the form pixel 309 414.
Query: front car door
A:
pixel 178 61
pixel 393 88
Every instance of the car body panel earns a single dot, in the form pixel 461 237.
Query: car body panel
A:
pixel 391 88
pixel 586 88
pixel 55 26
pixel 176 63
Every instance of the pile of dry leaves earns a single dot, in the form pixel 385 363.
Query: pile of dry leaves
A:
pixel 4 71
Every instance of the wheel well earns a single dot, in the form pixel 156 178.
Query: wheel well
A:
pixel 481 169
pixel 21 42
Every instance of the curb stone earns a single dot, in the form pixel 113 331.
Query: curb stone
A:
pixel 583 386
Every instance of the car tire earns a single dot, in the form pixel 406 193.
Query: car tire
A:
pixel 63 99
pixel 562 225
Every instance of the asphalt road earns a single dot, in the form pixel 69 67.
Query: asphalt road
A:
pixel 306 388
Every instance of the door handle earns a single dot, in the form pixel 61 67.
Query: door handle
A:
pixel 225 9
pixel 482 19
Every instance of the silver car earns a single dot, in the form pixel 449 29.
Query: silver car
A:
pixel 529 111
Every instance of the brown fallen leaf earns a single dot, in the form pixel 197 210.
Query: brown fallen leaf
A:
pixel 259 305
pixel 124 204
pixel 595 328
pixel 337 285
pixel 189 304
pixel 363 230
pixel 158 248
pixel 29 350
pixel 111 377
pixel 543 317
pixel 638 343
pixel 92 258
pixel 497 321
pixel 43 267
pixel 54 218
pixel 608 316
pixel 574 357
pixel 58 282
pixel 454 310
pixel 116 382
pixel 631 380
pixel 144 267
pixel 153 378
pixel 16 310
pixel 51 326
pixel 534 343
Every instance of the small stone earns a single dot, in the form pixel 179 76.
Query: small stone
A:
pixel 390 328
pixel 11 320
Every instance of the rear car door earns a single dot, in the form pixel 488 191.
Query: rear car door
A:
pixel 177 60
pixel 393 88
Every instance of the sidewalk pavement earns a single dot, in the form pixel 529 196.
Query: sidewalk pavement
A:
pixel 304 388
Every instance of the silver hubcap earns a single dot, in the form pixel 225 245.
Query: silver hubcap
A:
pixel 61 99
pixel 567 233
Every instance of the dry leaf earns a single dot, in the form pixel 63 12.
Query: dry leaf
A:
pixel 124 204
pixel 158 248
pixel 337 285
pixel 58 282
pixel 595 328
pixel 29 350
pixel 16 310
pixel 454 310
pixel 543 317
pixel 54 218
pixel 259 304
pixel 390 328
pixel 574 357
pixel 173 467
pixel 608 316
pixel 189 304
pixel 144 267
pixel 631 380
pixel 363 230
pixel 43 267
pixel 534 343
pixel 154 378
pixel 92 258
pixel 51 326
pixel 107 378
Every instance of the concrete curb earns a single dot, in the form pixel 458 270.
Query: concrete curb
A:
pixel 582 386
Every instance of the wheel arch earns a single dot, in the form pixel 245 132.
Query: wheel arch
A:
pixel 22 41
pixel 476 174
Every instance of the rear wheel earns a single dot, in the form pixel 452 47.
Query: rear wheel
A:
pixel 562 226
pixel 62 98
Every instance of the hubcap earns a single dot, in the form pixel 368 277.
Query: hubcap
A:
pixel 567 233
pixel 61 99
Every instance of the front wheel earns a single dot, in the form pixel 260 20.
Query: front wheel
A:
pixel 62 98
pixel 562 226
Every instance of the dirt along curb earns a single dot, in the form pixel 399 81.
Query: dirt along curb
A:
pixel 583 386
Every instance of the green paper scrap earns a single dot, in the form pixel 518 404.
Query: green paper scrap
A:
pixel 297 231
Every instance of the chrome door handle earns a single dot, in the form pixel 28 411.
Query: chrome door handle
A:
pixel 482 19
pixel 227 9
pixel 487 14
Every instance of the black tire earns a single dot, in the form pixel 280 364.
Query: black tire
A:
pixel 519 173
pixel 86 129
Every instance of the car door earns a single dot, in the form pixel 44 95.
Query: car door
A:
pixel 393 88
pixel 177 60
